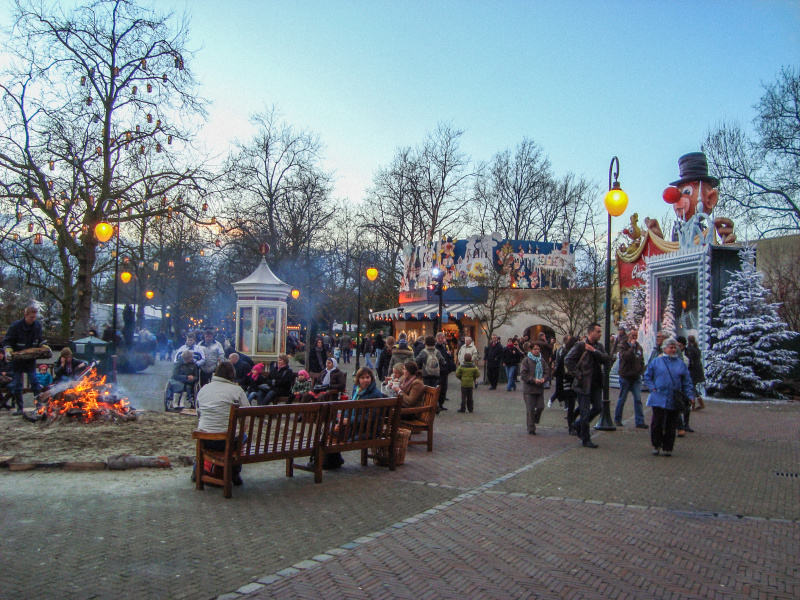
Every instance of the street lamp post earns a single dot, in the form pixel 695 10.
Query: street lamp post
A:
pixel 372 275
pixel 104 231
pixel 616 202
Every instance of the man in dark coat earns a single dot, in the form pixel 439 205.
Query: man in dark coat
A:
pixel 242 369
pixel 631 369
pixel 23 334
pixel 585 362
pixel 446 369
pixel 493 355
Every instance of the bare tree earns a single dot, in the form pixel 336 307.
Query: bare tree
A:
pixel 96 120
pixel 760 178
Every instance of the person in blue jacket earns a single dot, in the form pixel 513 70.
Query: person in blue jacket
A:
pixel 665 374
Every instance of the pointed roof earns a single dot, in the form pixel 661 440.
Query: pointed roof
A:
pixel 262 280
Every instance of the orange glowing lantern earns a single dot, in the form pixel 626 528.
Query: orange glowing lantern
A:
pixel 372 273
pixel 125 276
pixel 616 200
pixel 149 294
pixel 103 231
pixel 295 294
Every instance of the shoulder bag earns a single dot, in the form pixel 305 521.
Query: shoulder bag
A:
pixel 681 401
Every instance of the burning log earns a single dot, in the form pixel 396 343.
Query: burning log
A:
pixel 86 400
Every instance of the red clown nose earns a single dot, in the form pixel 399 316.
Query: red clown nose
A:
pixel 671 195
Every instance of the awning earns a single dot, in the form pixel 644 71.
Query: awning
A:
pixel 422 310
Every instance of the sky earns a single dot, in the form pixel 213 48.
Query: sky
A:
pixel 642 80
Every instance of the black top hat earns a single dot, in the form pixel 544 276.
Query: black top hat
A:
pixel 694 167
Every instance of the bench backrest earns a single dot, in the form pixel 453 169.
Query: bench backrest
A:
pixel 356 424
pixel 275 432
pixel 430 401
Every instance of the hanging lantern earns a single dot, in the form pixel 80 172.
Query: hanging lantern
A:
pixel 37 239
pixel 163 201
pixel 149 295
pixel 125 276
pixel 141 149
pixel 19 216
pixel 103 231
pixel 187 259
pixel 91 73
pixel 616 200
pixel 144 64
pixel 134 89
pixel 50 185
pixel 128 136
pixel 372 273
pixel 158 147
pixel 171 264
pixel 15 236
pixel 158 218
pixel 30 227
pixel 141 264
pixel 155 266
pixel 205 206
pixel 164 78
pixel 88 101
pixel 113 254
pixel 217 243
pixel 149 118
pixel 213 220
pixel 99 151
pixel 84 229
pixel 83 79
pixel 169 216
pixel 59 222
pixel 149 88
pixel 130 211
pixel 138 129
pixel 116 71
pixel 48 205
pixel 169 139
pixel 295 294
pixel 202 252
pixel 52 165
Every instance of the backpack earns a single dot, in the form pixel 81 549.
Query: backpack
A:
pixel 431 368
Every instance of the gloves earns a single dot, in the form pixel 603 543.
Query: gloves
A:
pixel 8 352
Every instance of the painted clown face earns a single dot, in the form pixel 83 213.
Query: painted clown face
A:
pixel 690 194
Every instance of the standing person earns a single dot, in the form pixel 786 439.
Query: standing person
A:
pixel 631 369
pixel 23 334
pixel 696 371
pixel 467 374
pixel 663 376
pixel 534 374
pixel 214 403
pixel 215 354
pixel 468 347
pixel 317 356
pixel 448 367
pixel 198 352
pixel 346 348
pixel 366 346
pixel 430 362
pixel 401 354
pixel 493 355
pixel 660 337
pixel 378 345
pixel 546 347
pixel 512 356
pixel 385 359
pixel 564 391
pixel 586 361
pixel 419 346
pixel 683 419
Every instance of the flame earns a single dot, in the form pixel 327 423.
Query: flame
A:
pixel 88 399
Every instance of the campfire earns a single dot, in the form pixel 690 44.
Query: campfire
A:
pixel 86 400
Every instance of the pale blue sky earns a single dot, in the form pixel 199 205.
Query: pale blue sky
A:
pixel 587 80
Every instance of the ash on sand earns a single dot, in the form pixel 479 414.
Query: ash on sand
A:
pixel 152 434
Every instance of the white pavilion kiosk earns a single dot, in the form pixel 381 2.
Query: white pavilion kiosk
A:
pixel 261 314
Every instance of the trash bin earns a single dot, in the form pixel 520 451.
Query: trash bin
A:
pixel 91 349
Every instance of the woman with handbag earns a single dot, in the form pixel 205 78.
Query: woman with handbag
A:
pixel 670 390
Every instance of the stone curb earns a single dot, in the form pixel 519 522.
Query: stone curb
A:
pixel 165 463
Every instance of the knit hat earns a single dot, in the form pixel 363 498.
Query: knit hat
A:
pixel 403 343
pixel 304 372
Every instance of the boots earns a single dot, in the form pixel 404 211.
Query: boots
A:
pixel 18 401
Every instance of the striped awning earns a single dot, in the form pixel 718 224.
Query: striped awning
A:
pixel 422 310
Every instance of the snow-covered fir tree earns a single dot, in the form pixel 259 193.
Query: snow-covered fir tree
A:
pixel 668 320
pixel 747 360
pixel 637 307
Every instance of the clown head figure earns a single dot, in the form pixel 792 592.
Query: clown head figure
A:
pixel 695 191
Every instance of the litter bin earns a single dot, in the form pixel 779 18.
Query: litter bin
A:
pixel 91 349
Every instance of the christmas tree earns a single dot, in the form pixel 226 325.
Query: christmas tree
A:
pixel 637 307
pixel 747 359
pixel 668 319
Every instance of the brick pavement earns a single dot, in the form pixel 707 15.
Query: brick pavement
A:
pixel 480 517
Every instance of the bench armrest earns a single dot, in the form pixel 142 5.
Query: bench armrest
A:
pixel 203 435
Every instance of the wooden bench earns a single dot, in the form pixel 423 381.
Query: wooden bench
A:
pixel 273 433
pixel 363 425
pixel 291 431
pixel 419 419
